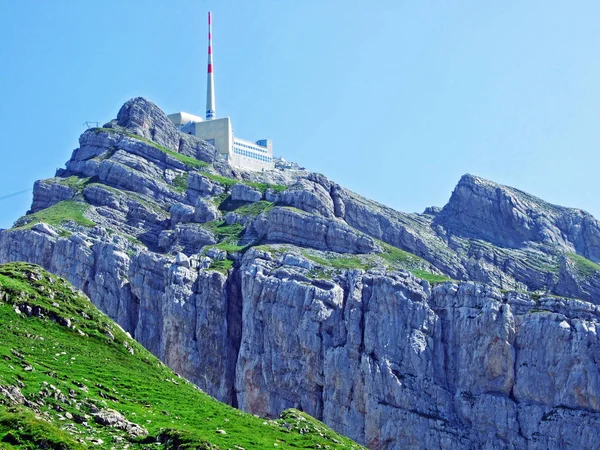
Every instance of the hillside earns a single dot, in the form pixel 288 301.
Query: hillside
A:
pixel 71 378
pixel 472 325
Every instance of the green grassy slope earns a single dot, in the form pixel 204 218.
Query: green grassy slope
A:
pixel 70 361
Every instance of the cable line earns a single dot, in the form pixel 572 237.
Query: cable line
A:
pixel 14 194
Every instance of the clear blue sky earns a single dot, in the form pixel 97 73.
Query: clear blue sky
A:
pixel 393 99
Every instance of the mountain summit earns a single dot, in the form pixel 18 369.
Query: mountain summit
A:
pixel 469 326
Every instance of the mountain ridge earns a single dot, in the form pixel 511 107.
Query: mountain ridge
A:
pixel 284 289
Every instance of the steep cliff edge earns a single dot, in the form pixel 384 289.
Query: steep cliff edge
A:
pixel 71 379
pixel 283 289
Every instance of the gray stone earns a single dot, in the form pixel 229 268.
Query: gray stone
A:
pixel 193 237
pixel 285 225
pixel 143 117
pixel 182 260
pixel 203 186
pixel 216 254
pixel 242 192
pixel 308 196
pixel 114 419
pixel 45 228
pixel 205 211
pixel 389 359
pixel 49 192
pixel 181 213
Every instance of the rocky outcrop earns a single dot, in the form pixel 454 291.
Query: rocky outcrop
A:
pixel 298 228
pixel 144 118
pixel 48 192
pixel 508 217
pixel 114 419
pixel 396 366
pixel 241 192
pixel 308 196
pixel 283 289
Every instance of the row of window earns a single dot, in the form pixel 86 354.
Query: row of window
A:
pixel 241 151
pixel 251 147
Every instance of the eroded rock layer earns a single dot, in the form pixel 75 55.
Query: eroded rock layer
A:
pixel 455 328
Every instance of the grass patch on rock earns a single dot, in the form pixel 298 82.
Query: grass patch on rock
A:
pixel 245 208
pixel 413 263
pixel 57 214
pixel 180 182
pixel 221 265
pixel 340 262
pixel 229 237
pixel 263 187
pixel 74 182
pixel 583 266
pixel 187 160
pixel 224 231
pixel 431 277
pixel 197 164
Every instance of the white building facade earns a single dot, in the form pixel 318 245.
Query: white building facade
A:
pixel 240 153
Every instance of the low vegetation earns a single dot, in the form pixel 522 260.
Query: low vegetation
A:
pixel 428 276
pixel 394 256
pixel 180 182
pixel 245 208
pixel 74 182
pixel 69 361
pixel 229 237
pixel 225 232
pixel 263 187
pixel 196 163
pixel 404 259
pixel 187 160
pixel 414 264
pixel 57 214
pixel 583 266
pixel 222 265
pixel 341 262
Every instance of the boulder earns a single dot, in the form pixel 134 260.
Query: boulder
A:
pixel 45 228
pixel 181 213
pixel 205 211
pixel 114 419
pixel 245 193
pixel 193 237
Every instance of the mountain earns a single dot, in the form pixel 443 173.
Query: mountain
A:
pixel 70 378
pixel 468 326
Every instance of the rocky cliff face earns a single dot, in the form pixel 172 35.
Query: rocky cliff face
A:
pixel 283 289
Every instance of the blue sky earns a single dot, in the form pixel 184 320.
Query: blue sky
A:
pixel 393 99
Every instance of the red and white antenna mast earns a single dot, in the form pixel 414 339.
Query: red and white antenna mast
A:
pixel 210 81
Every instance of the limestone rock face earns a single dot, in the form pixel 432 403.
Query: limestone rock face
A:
pixel 241 192
pixel 315 298
pixel 298 228
pixel 508 217
pixel 394 367
pixel 308 196
pixel 44 228
pixel 145 119
pixel 49 192
pixel 205 211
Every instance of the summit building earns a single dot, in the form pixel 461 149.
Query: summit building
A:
pixel 240 153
